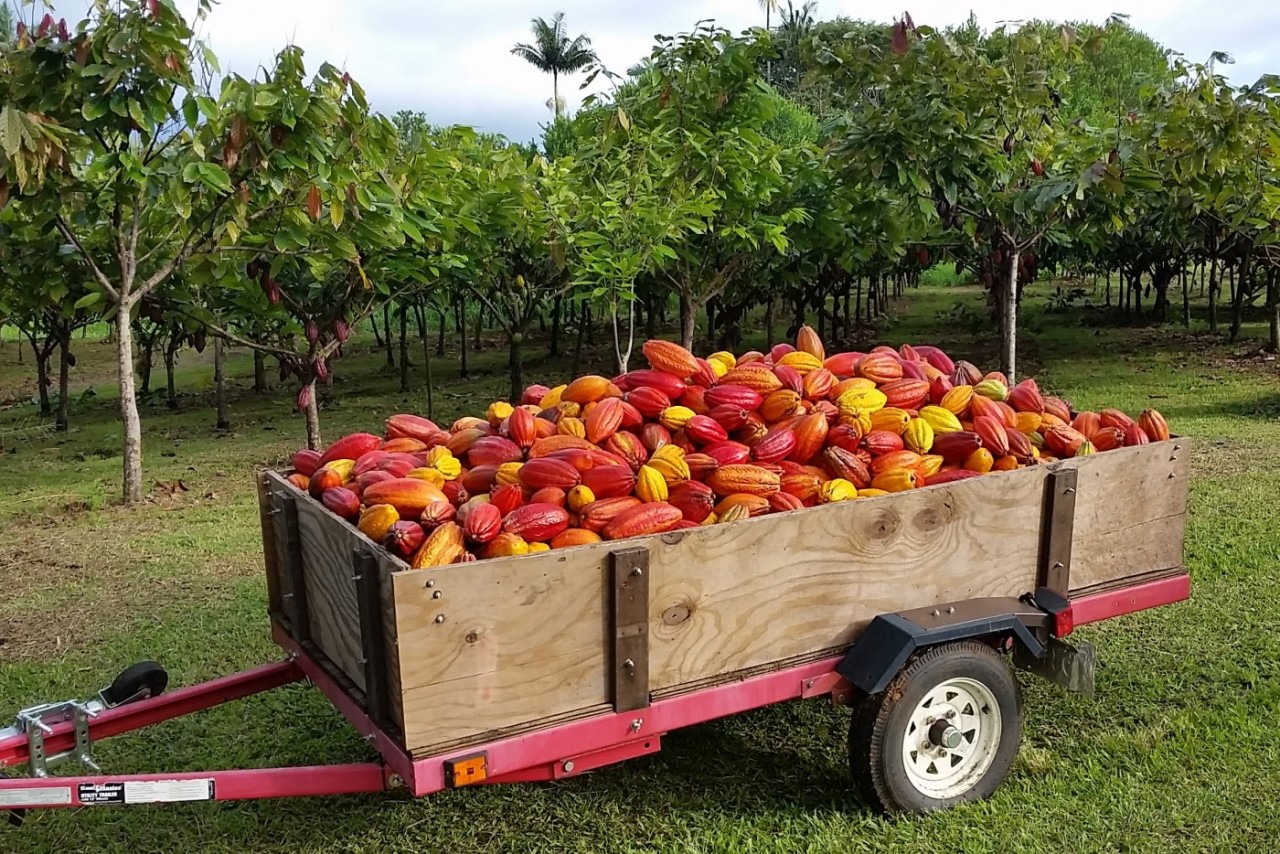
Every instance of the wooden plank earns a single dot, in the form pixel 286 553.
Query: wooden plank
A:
pixel 328 547
pixel 1131 507
pixel 270 548
pixel 520 639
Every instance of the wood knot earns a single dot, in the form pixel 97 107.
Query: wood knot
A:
pixel 676 614
pixel 672 537
pixel 472 636
pixel 928 519
pixel 884 525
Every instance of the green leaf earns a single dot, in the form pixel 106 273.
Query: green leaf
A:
pixel 88 300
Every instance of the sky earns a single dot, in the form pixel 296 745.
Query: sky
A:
pixel 451 59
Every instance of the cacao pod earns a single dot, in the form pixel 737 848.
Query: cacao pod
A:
pixel 645 519
pixel 442 547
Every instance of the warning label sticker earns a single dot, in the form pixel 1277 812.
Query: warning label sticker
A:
pixel 35 796
pixel 146 792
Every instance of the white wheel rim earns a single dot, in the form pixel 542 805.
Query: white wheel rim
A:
pixel 971 708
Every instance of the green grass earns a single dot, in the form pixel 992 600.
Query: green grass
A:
pixel 1176 752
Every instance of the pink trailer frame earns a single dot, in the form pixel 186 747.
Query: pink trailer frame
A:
pixel 559 751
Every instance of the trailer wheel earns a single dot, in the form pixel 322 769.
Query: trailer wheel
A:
pixel 945 731
pixel 137 682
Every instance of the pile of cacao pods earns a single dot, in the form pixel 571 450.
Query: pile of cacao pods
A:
pixel 689 442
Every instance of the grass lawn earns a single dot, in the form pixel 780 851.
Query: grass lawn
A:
pixel 1178 750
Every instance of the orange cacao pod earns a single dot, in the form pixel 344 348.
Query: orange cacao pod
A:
pixel 505 545
pixel 750 479
pixel 1111 418
pixel 587 389
pixel 811 435
pixel 906 394
pixel 993 434
pixel 670 357
pixel 753 375
pixel 895 460
pixel 599 513
pixel 755 504
pixel 552 444
pixel 1154 425
pixel 412 427
pixel 880 442
pixel 1135 435
pixel 1026 397
pixel 896 480
pixel 1058 407
pixel 521 427
pixel 442 547
pixel 645 519
pixel 304 483
pixel 574 537
pixel 408 495
pixel 880 367
pixel 437 513
pixel 807 341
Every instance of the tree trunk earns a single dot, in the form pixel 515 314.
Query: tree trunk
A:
pixel 131 491
pixel 1214 285
pixel 42 377
pixel 404 347
pixel 516 341
pixel 259 372
pixel 688 321
pixel 555 92
pixel 1273 309
pixel 768 323
pixel 462 336
pixel 64 380
pixel 583 323
pixel 220 384
pixel 1108 300
pixel 377 337
pixel 440 334
pixel 1009 321
pixel 314 442
pixel 556 307
pixel 424 332
pixel 857 302
pixel 651 317
pixel 386 338
pixel 1186 299
pixel 147 359
pixel 1244 289
pixel 479 328
pixel 171 388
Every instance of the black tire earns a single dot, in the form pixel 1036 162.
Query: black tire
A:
pixel 138 682
pixel 879 728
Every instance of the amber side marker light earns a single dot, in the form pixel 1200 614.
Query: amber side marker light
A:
pixel 466 770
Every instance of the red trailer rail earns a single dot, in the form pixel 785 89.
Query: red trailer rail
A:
pixel 564 750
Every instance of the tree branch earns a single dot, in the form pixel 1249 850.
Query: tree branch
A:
pixel 93 266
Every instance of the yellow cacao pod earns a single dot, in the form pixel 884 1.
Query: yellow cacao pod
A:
pixel 929 465
pixel 861 423
pixel 980 461
pixel 568 425
pixel 498 412
pixel 801 362
pixel 375 521
pixel 725 358
pixel 957 400
pixel 449 467
pixel 505 545
pixel 430 475
pixel 940 419
pixel 552 397
pixel 736 513
pixel 651 485
pixel 838 489
pixel 570 408
pixel 342 467
pixel 675 417
pixel 534 548
pixel 993 389
pixel 1027 422
pixel 508 473
pixel 442 547
pixel 890 418
pixel 918 436
pixel 859 400
pixel 579 497
pixel 669 462
pixel 871 492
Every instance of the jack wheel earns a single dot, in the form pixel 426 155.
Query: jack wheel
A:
pixel 138 682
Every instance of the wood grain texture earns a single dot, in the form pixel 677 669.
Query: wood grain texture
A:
pixel 522 639
pixel 528 640
pixel 270 547
pixel 328 549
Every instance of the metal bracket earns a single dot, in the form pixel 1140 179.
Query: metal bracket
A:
pixel 373 650
pixel 1057 529
pixel 35 722
pixel 296 607
pixel 631 629
pixel 1068 666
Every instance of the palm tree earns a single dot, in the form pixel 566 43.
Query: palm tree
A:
pixel 554 52
pixel 769 7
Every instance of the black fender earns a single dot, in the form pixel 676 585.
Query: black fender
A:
pixel 890 639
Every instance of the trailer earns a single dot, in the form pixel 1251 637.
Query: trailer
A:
pixel 912 609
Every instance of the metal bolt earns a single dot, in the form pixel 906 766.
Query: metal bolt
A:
pixel 951 715
pixel 930 719
pixel 1070 490
pixel 356 578
pixel 431 583
pixel 808 683
pixel 436 595
pixel 636 724
pixel 630 666
pixel 439 618
pixel 936 612
pixel 1057 564
pixel 395 781
pixel 951 609
pixel 637 572
pixel 568 766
